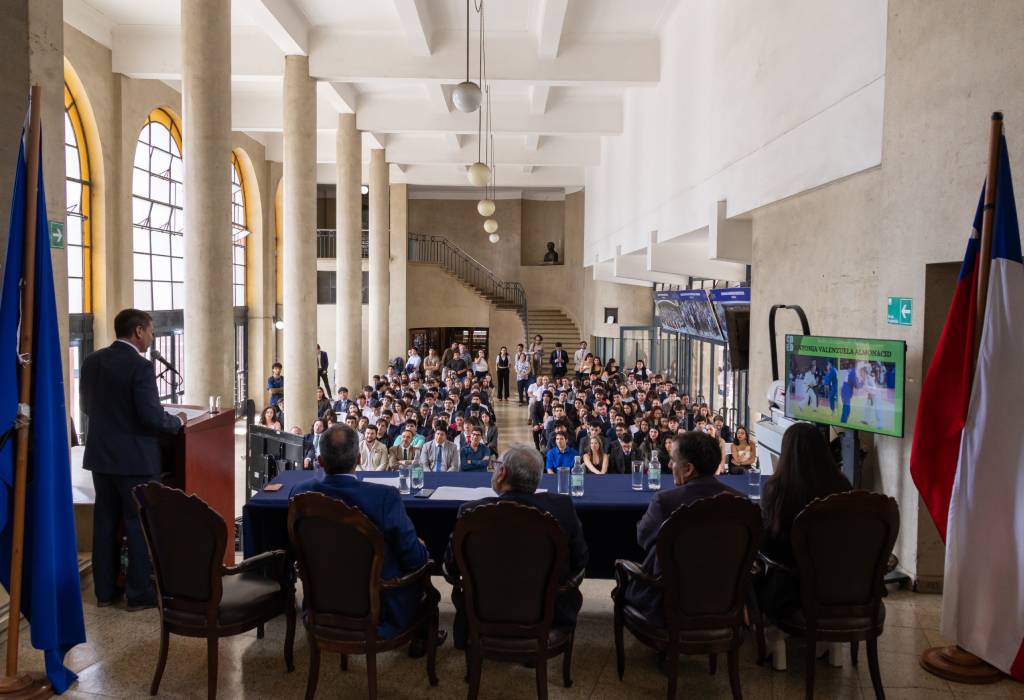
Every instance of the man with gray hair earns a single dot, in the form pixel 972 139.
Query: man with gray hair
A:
pixel 515 478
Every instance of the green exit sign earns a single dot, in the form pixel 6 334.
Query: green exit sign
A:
pixel 56 234
pixel 900 311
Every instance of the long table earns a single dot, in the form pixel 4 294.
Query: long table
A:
pixel 609 511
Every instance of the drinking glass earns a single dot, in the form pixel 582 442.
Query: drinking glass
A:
pixel 564 478
pixel 654 476
pixel 754 483
pixel 416 480
pixel 404 479
pixel 638 475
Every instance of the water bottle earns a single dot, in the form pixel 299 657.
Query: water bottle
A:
pixel 577 478
pixel 654 475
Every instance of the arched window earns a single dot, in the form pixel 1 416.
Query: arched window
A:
pixel 157 215
pixel 239 232
pixel 78 235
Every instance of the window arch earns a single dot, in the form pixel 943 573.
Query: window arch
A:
pixel 78 185
pixel 239 232
pixel 158 216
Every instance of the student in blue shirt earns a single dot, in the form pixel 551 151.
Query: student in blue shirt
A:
pixel 561 455
pixel 275 385
pixel 476 455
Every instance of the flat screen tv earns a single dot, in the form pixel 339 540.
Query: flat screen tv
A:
pixel 852 383
pixel 732 307
pixel 688 312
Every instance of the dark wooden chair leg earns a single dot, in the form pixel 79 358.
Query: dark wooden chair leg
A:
pixel 542 677
pixel 161 663
pixel 260 631
pixel 620 652
pixel 811 662
pixel 762 646
pixel 876 674
pixel 475 662
pixel 344 662
pixel 289 636
pixel 314 668
pixel 672 670
pixel 567 663
pixel 432 647
pixel 211 667
pixel 734 674
pixel 371 674
pixel 712 664
pixel 854 648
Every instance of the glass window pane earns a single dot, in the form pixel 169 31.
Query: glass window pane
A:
pixel 71 164
pixel 75 296
pixel 142 296
pixel 177 245
pixel 141 154
pixel 141 236
pixel 140 212
pixel 140 182
pixel 73 230
pixel 239 255
pixel 159 136
pixel 74 261
pixel 161 162
pixel 179 295
pixel 177 170
pixel 162 296
pixel 161 268
pixel 177 269
pixel 159 189
pixel 74 196
pixel 239 296
pixel 142 267
pixel 160 215
pixel 69 130
pixel 161 243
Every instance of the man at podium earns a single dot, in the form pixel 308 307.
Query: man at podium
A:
pixel 122 450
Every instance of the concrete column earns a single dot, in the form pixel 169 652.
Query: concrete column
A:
pixel 299 243
pixel 206 131
pixel 349 224
pixel 397 323
pixel 380 257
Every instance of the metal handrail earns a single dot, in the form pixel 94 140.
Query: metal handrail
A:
pixel 326 242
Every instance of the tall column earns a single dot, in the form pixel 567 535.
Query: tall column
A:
pixel 349 224
pixel 299 243
pixel 206 130
pixel 380 258
pixel 398 335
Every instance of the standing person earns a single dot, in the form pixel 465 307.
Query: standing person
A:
pixel 431 364
pixel 831 382
pixel 480 368
pixel 578 357
pixel 275 385
pixel 321 369
pixel 537 351
pixel 122 450
pixel 523 368
pixel 446 358
pixel 559 362
pixel 502 364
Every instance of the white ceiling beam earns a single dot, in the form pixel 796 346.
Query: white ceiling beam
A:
pixel 532 142
pixel 154 53
pixel 449 176
pixel 634 267
pixel 690 259
pixel 415 19
pixel 91 22
pixel 283 22
pixel 550 24
pixel 341 97
pixel 605 272
pixel 454 141
pixel 439 96
pixel 527 169
pixel 539 95
pixel 428 150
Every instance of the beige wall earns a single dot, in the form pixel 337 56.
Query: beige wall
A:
pixel 543 221
pixel 841 250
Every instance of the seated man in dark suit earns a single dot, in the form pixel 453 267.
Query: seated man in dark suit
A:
pixel 622 453
pixel 339 455
pixel 516 478
pixel 696 459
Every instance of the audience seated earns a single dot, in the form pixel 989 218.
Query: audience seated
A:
pixel 561 455
pixel 515 478
pixel 475 456
pixel 406 451
pixel 440 454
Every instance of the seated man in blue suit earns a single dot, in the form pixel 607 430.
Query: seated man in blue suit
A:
pixel 697 456
pixel 339 455
pixel 516 478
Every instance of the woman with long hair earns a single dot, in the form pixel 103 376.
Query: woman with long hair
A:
pixel 268 419
pixel 804 472
pixel 523 369
pixel 595 459
pixel 744 452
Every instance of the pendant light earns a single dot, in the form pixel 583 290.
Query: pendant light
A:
pixel 486 205
pixel 467 95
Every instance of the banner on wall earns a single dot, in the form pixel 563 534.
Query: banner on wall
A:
pixel 688 312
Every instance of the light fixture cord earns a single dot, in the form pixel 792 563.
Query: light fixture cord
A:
pixel 467 41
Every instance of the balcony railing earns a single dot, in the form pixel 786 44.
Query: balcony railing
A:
pixel 326 243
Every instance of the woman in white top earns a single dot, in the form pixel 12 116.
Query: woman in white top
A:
pixel 709 428
pixel 537 351
pixel 744 452
pixel 523 369
pixel 480 369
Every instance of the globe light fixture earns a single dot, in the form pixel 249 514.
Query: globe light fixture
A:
pixel 479 174
pixel 279 325
pixel 494 238
pixel 365 189
pixel 485 207
pixel 466 96
pixel 491 226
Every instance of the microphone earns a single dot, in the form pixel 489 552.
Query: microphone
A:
pixel 154 354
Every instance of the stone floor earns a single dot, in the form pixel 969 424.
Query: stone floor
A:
pixel 120 655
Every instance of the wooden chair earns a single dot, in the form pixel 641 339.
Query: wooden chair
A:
pixel 706 550
pixel 197 595
pixel 511 558
pixel 339 554
pixel 842 545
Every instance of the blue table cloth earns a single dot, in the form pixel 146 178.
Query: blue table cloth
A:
pixel 609 511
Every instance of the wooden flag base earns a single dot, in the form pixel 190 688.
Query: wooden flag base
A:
pixel 25 687
pixel 959 665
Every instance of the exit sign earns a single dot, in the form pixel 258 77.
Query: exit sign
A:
pixel 900 311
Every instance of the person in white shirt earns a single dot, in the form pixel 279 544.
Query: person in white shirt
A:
pixel 578 357
pixel 373 455
pixel 413 363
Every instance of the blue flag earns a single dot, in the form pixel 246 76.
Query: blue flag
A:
pixel 51 587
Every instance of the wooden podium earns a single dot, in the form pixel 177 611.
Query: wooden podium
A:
pixel 200 460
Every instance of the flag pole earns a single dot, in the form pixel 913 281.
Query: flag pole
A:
pixel 954 663
pixel 12 685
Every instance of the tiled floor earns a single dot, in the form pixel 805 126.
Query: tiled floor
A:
pixel 119 658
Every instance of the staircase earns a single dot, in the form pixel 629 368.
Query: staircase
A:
pixel 438 250
pixel 555 327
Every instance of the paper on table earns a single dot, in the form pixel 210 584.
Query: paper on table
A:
pixel 462 493
pixel 190 413
pixel 385 480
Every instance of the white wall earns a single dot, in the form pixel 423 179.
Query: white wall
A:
pixel 757 101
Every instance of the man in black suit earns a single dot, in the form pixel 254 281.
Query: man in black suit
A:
pixel 559 362
pixel 321 370
pixel 516 478
pixel 122 450
pixel 695 461
pixel 621 454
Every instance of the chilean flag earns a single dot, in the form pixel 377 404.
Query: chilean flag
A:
pixel 967 458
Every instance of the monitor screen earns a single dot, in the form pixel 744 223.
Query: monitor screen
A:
pixel 851 383
pixel 732 307
pixel 688 312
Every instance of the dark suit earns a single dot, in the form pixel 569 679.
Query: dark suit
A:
pixel 567 605
pixel 321 371
pixel 559 363
pixel 122 450
pixel 620 462
pixel 640 596
pixel 404 552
